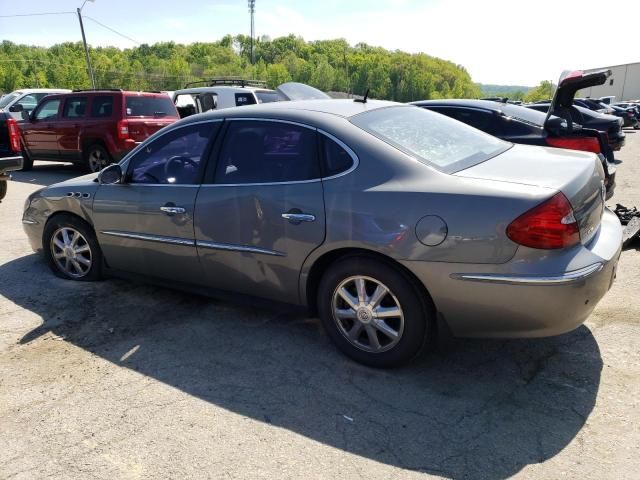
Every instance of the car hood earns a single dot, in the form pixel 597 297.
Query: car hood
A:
pixel 87 180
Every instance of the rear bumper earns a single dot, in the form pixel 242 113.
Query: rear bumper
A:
pixel 9 164
pixel 536 294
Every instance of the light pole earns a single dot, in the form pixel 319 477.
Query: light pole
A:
pixel 252 10
pixel 84 41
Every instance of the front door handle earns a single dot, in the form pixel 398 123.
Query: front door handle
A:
pixel 297 217
pixel 171 209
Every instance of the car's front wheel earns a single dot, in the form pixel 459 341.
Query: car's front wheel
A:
pixel 71 249
pixel 373 312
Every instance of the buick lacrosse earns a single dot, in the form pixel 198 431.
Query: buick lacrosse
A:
pixel 389 221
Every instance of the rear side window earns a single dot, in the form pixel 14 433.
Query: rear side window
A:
pixel 150 106
pixel 433 139
pixel 102 106
pixel 245 99
pixel 267 152
pixel 74 107
pixel 480 119
pixel 335 158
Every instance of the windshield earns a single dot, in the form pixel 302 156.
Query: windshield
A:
pixel 9 98
pixel 434 139
pixel 148 106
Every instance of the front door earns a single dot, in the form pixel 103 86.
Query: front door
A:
pixel 263 212
pixel 145 225
pixel 40 134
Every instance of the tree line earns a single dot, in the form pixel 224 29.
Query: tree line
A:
pixel 330 65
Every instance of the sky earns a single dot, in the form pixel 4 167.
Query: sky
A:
pixel 505 42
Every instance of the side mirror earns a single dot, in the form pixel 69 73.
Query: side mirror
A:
pixel 110 175
pixel 25 115
pixel 16 108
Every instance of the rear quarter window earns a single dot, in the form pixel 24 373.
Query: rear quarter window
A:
pixel 102 106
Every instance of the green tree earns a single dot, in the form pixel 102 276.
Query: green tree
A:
pixel 544 91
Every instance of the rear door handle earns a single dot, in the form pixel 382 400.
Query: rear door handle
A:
pixel 297 218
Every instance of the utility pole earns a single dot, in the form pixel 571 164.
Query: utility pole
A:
pixel 252 11
pixel 86 49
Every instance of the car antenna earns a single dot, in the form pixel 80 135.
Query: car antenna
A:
pixel 363 99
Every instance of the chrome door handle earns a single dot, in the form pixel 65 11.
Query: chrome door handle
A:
pixel 297 218
pixel 172 210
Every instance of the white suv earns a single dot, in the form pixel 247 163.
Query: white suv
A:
pixel 26 100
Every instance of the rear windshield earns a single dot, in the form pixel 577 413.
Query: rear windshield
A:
pixel 525 114
pixel 434 139
pixel 148 106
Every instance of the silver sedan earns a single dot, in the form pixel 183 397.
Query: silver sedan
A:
pixel 389 221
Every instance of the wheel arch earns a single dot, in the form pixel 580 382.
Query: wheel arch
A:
pixel 310 280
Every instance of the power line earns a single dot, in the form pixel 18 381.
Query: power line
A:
pixel 111 29
pixel 35 14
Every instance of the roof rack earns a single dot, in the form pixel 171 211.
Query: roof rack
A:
pixel 232 81
pixel 98 90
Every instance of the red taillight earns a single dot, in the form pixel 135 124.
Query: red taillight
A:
pixel 587 144
pixel 550 225
pixel 14 135
pixel 123 129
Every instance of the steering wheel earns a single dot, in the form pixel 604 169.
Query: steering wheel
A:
pixel 177 162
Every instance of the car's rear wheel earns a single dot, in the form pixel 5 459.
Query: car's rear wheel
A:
pixel 373 312
pixel 96 158
pixel 27 161
pixel 71 249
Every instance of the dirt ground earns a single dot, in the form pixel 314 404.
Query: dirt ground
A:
pixel 118 380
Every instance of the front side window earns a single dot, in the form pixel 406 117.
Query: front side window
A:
pixel 267 152
pixel 433 139
pixel 174 158
pixel 48 110
pixel 74 107
pixel 102 106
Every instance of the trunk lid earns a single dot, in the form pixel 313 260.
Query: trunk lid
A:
pixel 578 175
pixel 569 84
pixel 146 113
pixel 141 128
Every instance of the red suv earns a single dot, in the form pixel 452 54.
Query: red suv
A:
pixel 92 128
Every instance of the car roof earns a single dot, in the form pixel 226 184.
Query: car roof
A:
pixel 221 87
pixel 301 108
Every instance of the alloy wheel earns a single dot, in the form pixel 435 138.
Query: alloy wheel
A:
pixel 368 314
pixel 97 160
pixel 71 252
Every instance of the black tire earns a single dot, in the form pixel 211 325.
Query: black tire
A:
pixel 91 164
pixel 88 238
pixel 27 161
pixel 3 189
pixel 416 307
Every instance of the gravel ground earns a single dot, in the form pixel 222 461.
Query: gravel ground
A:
pixel 120 380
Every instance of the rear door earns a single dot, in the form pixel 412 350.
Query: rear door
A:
pixel 148 113
pixel 145 225
pixel 39 133
pixel 263 212
pixel 72 120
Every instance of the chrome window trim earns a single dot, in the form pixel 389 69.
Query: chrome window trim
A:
pixel 573 276
pixel 315 180
pixel 238 248
pixel 150 238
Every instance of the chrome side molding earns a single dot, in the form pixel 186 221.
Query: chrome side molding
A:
pixel 574 276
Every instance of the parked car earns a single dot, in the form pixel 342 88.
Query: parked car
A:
pixel 236 92
pixel 608 124
pixel 608 100
pixel 25 100
pixel 10 158
pixel 93 128
pixel 380 216
pixel 628 116
pixel 594 105
pixel 522 125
